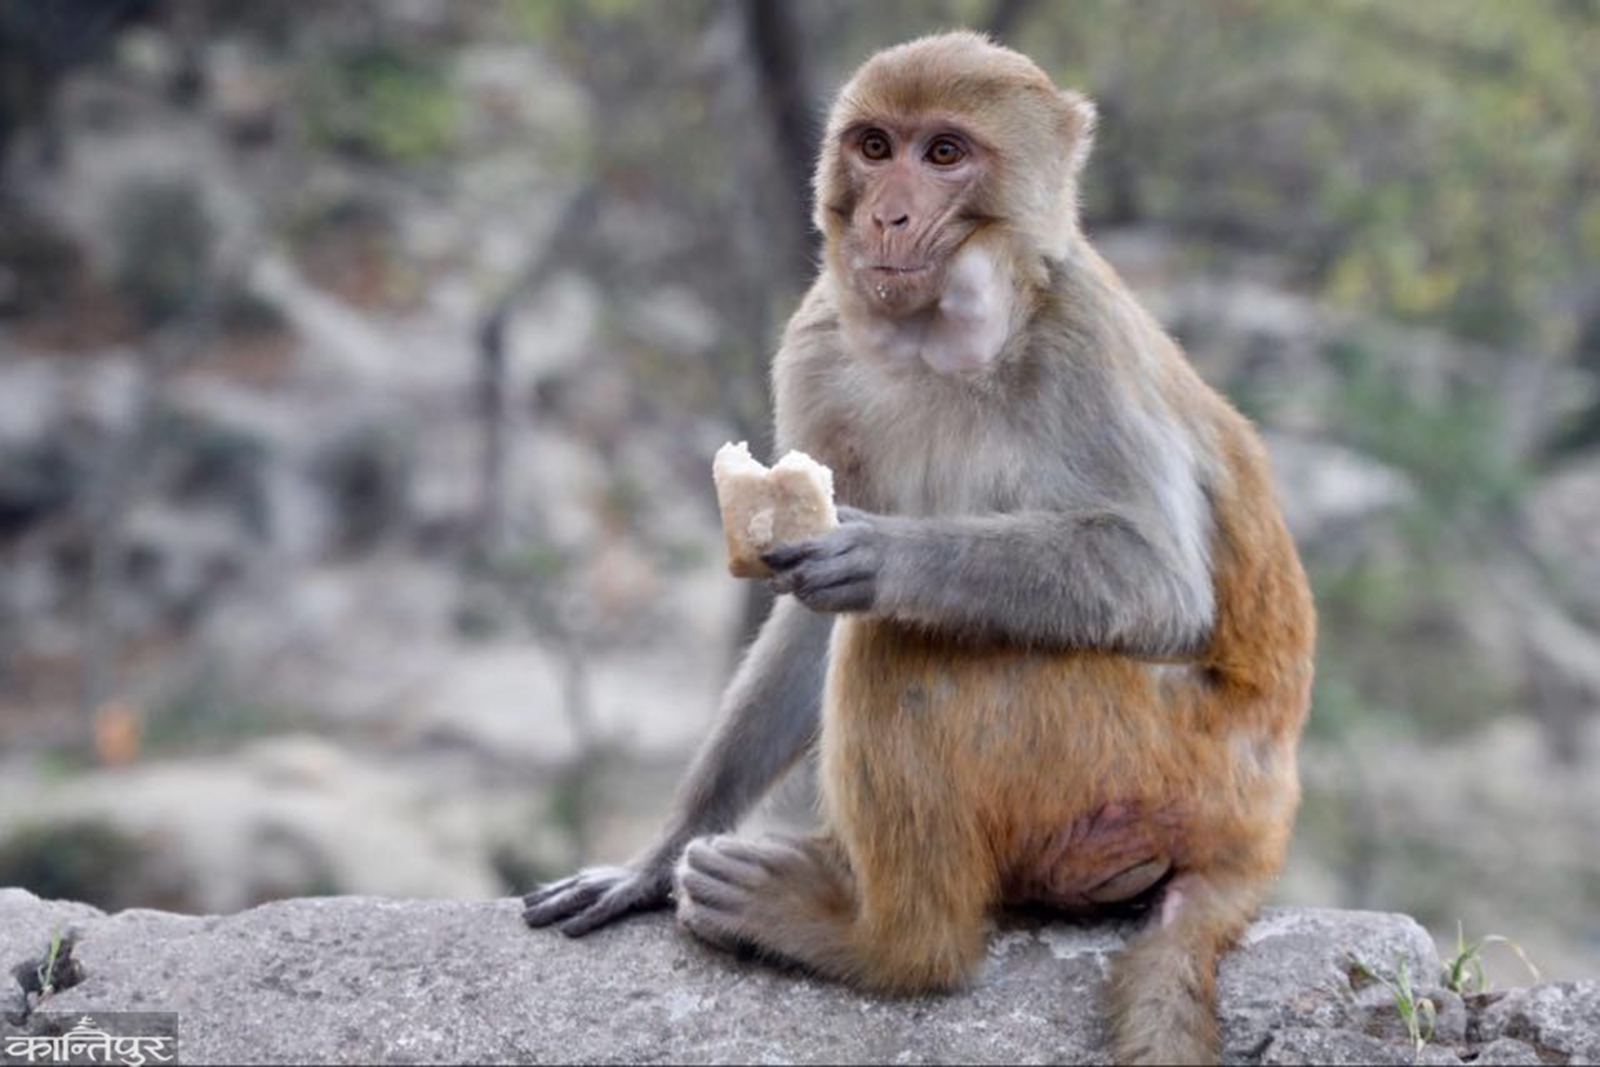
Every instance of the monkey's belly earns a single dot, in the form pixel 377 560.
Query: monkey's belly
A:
pixel 1085 779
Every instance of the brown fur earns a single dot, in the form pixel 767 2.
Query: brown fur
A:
pixel 961 774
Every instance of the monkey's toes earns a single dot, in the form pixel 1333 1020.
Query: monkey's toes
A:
pixel 724 858
pixel 718 886
pixel 703 918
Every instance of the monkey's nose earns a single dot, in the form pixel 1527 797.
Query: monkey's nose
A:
pixel 892 224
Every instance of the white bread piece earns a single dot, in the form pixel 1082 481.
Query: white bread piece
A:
pixel 762 507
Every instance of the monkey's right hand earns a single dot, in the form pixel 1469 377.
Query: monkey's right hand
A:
pixel 599 895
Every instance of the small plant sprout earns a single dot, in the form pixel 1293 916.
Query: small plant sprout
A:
pixel 1419 1013
pixel 1464 972
pixel 47 969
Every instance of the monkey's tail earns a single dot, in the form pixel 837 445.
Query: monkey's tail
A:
pixel 1163 987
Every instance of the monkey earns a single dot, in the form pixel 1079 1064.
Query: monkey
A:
pixel 1058 650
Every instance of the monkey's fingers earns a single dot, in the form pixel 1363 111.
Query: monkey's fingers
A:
pixel 563 904
pixel 548 890
pixel 637 894
pixel 785 557
pixel 845 582
pixel 598 896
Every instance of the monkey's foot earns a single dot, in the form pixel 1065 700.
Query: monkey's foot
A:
pixel 594 897
pixel 781 898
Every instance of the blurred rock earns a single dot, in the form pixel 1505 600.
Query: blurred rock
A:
pixel 41 267
pixel 1327 491
pixel 1404 799
pixel 1563 514
pixel 247 93
pixel 276 818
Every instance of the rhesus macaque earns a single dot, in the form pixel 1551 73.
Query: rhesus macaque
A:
pixel 1059 648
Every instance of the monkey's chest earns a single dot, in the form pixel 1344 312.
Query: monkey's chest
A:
pixel 913 457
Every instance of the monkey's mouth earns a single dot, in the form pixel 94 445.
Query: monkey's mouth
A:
pixel 899 272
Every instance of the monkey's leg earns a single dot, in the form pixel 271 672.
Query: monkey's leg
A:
pixel 799 901
pixel 770 714
pixel 1163 987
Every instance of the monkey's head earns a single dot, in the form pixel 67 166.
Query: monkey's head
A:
pixel 933 142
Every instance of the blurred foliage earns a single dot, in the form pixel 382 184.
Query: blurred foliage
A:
pixel 1399 600
pixel 40 266
pixel 1434 160
pixel 383 103
pixel 163 245
pixel 82 860
pixel 366 473
pixel 349 246
pixel 209 714
pixel 216 463
pixel 1450 443
pixel 1410 587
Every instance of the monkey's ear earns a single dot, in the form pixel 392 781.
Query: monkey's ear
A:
pixel 1081 117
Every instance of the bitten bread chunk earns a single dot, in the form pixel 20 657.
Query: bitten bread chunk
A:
pixel 762 507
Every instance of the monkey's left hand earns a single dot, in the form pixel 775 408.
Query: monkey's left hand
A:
pixel 836 572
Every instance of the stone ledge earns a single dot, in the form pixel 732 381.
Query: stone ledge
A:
pixel 359 980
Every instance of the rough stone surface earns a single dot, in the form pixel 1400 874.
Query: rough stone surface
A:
pixel 1508 1050
pixel 1298 1044
pixel 358 980
pixel 1561 1021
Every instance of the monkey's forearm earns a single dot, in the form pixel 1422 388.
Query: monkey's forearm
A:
pixel 770 713
pixel 1090 580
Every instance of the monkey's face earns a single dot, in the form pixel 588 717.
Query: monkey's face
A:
pixel 933 141
pixel 912 188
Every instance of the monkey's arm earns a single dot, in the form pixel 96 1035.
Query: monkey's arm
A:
pixel 769 715
pixel 1087 579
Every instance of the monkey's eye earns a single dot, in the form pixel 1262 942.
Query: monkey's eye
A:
pixel 946 152
pixel 875 146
